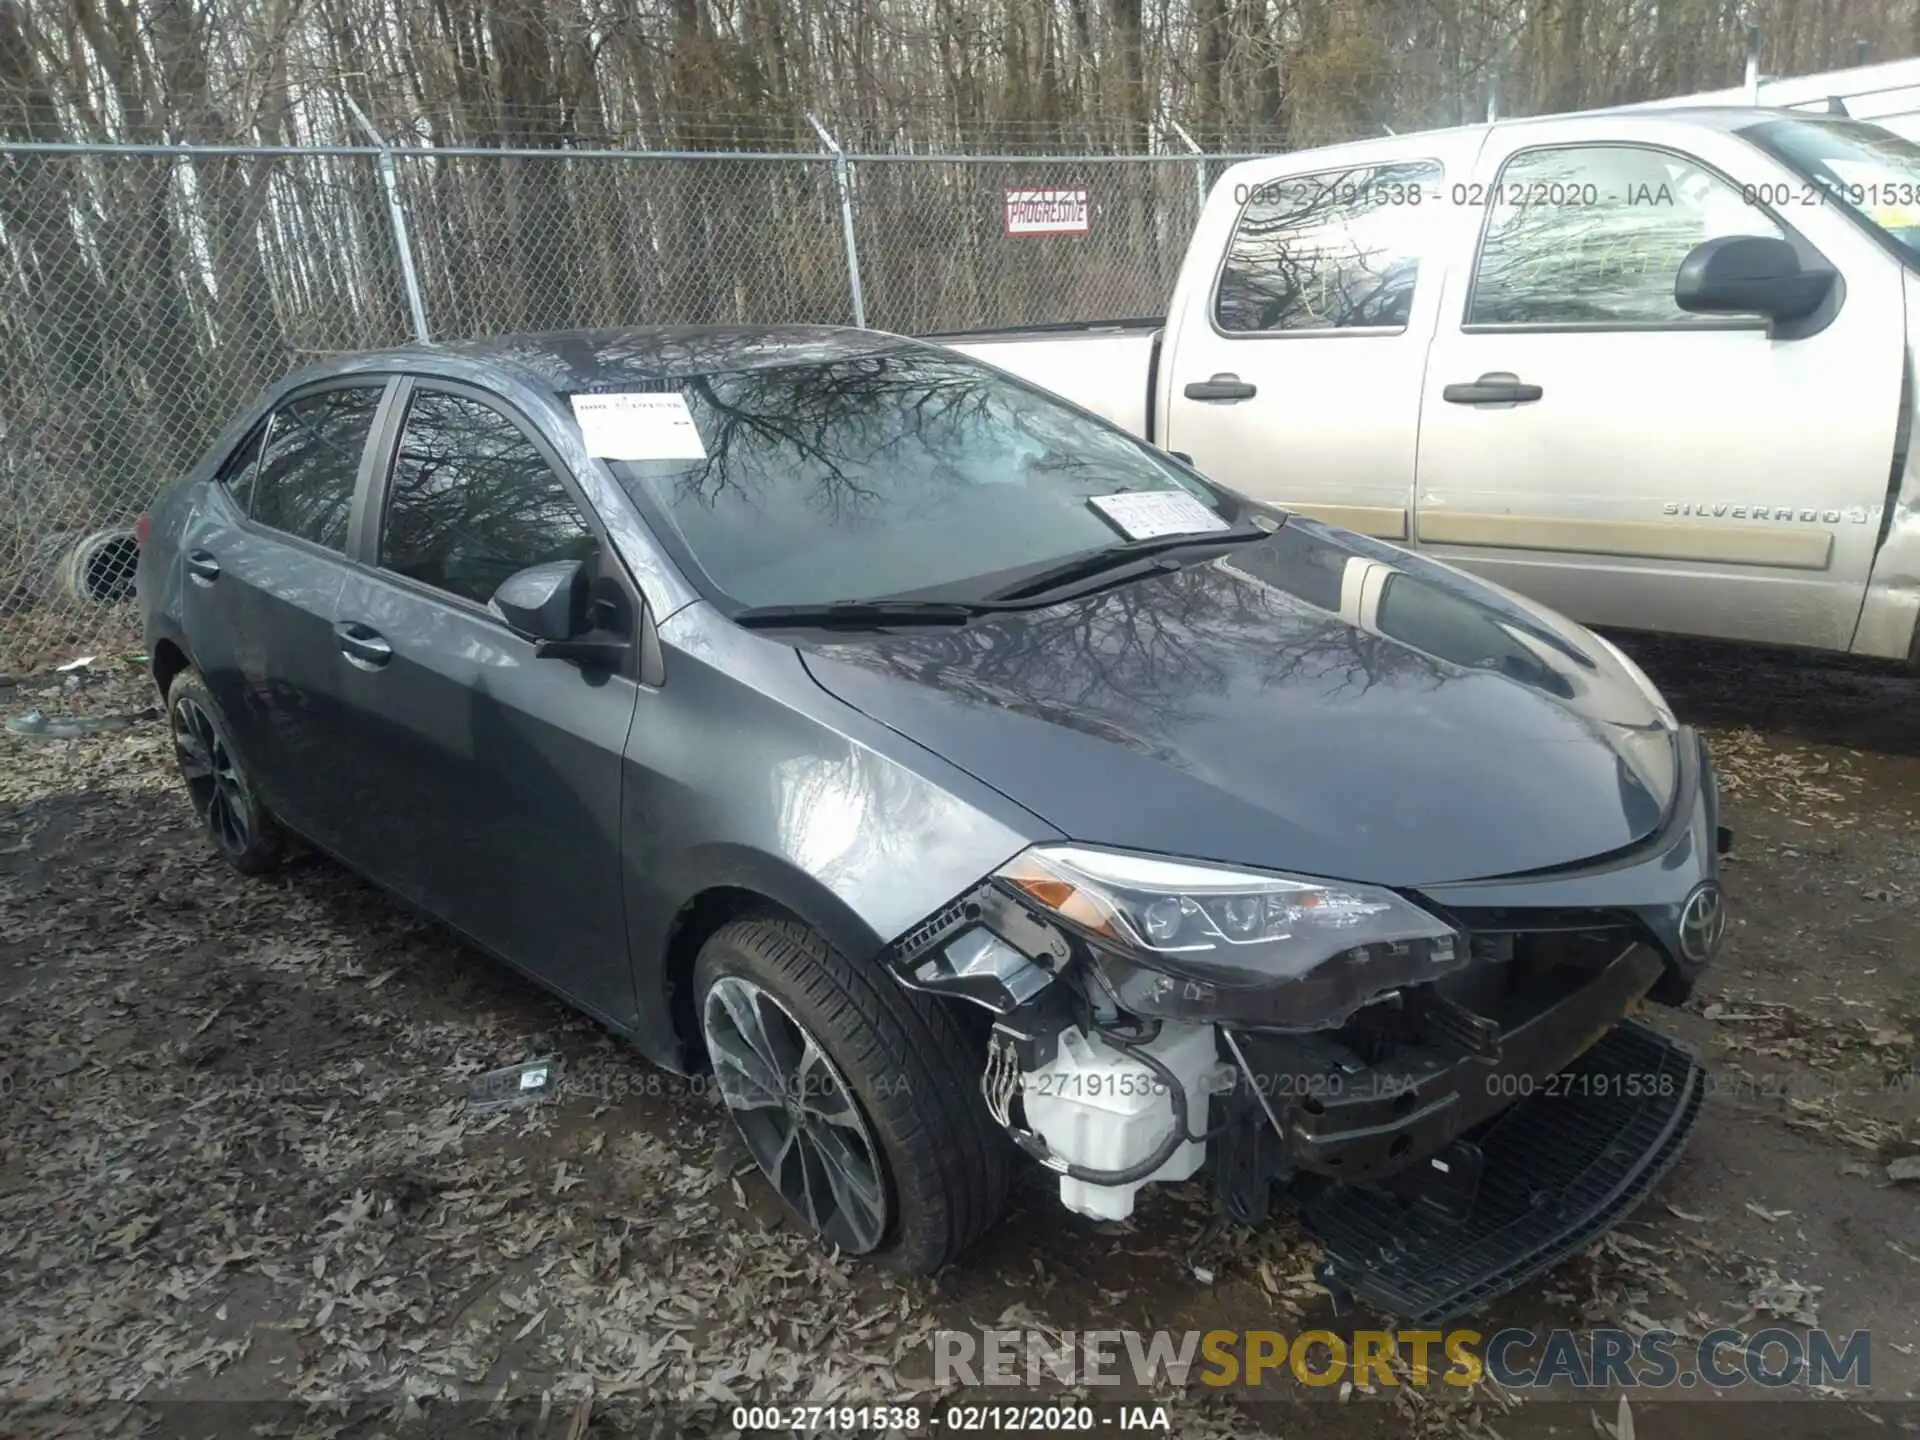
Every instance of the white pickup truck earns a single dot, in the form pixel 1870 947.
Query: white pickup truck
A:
pixel 1653 368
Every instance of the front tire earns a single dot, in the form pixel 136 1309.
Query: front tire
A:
pixel 223 797
pixel 859 1100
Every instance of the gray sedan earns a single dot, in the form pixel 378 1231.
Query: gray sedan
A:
pixel 959 778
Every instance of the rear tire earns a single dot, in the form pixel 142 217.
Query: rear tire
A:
pixel 224 800
pixel 915 1106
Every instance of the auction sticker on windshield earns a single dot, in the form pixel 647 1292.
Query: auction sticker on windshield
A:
pixel 638 427
pixel 1143 514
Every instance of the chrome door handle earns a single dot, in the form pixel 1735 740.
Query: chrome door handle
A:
pixel 362 645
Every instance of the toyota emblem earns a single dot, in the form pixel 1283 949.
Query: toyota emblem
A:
pixel 1703 920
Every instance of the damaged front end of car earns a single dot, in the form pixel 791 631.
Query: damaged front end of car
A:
pixel 1444 1081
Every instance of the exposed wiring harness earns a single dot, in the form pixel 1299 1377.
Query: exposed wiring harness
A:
pixel 1128 1043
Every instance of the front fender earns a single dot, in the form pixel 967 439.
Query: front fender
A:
pixel 714 883
pixel 1890 616
pixel 743 775
pixel 707 869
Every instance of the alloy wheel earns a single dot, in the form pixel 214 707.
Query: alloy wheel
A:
pixel 214 782
pixel 796 1113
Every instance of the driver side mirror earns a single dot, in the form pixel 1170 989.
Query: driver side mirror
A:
pixel 551 605
pixel 1750 275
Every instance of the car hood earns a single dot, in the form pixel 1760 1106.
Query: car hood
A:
pixel 1315 702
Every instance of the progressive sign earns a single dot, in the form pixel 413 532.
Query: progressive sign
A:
pixel 1047 212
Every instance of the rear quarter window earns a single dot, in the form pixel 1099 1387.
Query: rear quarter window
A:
pixel 236 472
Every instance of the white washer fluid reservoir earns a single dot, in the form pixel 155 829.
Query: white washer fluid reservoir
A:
pixel 1097 1106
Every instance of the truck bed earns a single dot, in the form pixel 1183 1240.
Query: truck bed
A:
pixel 1108 366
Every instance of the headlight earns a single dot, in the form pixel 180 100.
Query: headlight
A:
pixel 1182 939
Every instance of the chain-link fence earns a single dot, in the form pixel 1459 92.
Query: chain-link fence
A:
pixel 148 297
pixel 152 291
pixel 935 252
pixel 519 242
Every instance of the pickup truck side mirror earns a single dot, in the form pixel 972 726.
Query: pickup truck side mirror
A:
pixel 551 605
pixel 1750 275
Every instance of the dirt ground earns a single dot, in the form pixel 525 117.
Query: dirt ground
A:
pixel 239 1173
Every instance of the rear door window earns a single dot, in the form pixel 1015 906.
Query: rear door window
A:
pixel 305 481
pixel 472 500
pixel 1334 251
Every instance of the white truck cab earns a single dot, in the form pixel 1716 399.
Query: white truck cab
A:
pixel 1506 346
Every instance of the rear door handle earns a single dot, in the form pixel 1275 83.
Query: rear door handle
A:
pixel 1496 387
pixel 1221 387
pixel 203 567
pixel 362 645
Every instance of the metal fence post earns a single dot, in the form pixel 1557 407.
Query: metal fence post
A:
pixel 1199 170
pixel 1752 81
pixel 843 176
pixel 396 213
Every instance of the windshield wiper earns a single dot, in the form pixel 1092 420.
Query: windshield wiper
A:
pixel 1114 557
pixel 859 614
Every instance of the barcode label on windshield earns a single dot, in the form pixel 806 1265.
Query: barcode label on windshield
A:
pixel 1143 514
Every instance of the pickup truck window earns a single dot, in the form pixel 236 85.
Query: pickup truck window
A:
pixel 1871 172
pixel 1332 251
pixel 1592 236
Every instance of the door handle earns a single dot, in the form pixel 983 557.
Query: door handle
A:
pixel 1496 387
pixel 362 645
pixel 1224 386
pixel 203 567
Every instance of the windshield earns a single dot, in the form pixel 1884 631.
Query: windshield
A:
pixel 884 474
pixel 1871 172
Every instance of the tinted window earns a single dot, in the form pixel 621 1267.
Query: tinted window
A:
pixel 902 471
pixel 1593 235
pixel 236 472
pixel 305 481
pixel 1330 251
pixel 472 501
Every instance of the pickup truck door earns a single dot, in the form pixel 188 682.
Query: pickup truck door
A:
pixel 1586 442
pixel 1292 371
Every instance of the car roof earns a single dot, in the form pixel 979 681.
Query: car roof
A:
pixel 1713 117
pixel 564 361
pixel 1396 145
pixel 1716 117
